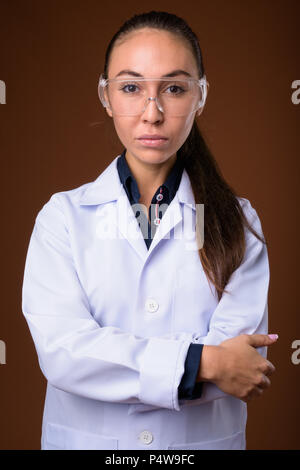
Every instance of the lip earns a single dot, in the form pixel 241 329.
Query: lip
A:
pixel 153 142
pixel 152 137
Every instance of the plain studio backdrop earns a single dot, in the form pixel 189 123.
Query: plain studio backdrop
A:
pixel 55 136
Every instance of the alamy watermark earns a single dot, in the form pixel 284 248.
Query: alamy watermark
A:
pixel 296 94
pixel 129 221
pixel 2 352
pixel 295 358
pixel 2 92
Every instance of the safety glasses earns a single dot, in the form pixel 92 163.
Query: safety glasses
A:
pixel 173 97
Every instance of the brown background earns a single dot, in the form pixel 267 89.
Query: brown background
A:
pixel 54 136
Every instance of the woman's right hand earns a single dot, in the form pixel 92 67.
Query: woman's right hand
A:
pixel 236 367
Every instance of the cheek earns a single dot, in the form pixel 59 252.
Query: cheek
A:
pixel 182 129
pixel 124 128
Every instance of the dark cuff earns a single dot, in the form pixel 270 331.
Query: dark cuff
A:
pixel 188 388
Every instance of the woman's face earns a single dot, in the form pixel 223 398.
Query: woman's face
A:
pixel 152 53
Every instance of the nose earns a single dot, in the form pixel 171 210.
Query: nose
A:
pixel 151 111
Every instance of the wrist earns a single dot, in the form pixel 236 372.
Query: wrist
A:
pixel 208 369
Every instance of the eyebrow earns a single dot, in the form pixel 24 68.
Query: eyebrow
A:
pixel 171 74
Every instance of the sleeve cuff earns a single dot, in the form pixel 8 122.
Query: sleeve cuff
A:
pixel 161 371
pixel 188 388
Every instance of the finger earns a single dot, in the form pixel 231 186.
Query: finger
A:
pixel 264 383
pixel 258 340
pixel 270 369
pixel 255 393
pixel 258 391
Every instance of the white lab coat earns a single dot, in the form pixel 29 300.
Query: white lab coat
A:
pixel 112 322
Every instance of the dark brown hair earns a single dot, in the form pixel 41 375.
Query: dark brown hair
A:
pixel 224 237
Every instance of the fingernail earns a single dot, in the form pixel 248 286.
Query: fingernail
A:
pixel 273 336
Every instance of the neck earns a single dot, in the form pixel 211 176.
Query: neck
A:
pixel 149 176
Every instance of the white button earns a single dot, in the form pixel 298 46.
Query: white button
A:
pixel 156 221
pixel 159 197
pixel 146 437
pixel 151 305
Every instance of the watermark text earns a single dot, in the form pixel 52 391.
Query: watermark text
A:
pixel 295 358
pixel 296 94
pixel 2 352
pixel 2 92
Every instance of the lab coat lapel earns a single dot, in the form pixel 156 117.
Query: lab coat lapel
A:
pixel 173 217
pixel 128 226
pixel 108 190
pixel 118 222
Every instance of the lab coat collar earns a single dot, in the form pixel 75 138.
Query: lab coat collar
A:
pixel 108 187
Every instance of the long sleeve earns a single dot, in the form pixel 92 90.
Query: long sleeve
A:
pixel 189 389
pixel 75 353
pixel 244 309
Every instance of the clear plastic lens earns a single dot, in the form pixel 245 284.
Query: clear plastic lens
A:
pixel 130 97
pixel 173 89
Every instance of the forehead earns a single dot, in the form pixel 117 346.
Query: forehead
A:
pixel 152 53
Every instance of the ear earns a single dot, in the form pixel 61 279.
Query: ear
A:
pixel 109 112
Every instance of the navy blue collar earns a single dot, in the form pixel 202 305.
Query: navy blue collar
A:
pixel 169 187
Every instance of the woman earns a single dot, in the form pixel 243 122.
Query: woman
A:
pixel 141 344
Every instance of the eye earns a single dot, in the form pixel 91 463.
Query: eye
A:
pixel 175 90
pixel 129 88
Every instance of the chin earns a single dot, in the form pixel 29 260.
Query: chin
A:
pixel 160 155
pixel 149 156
